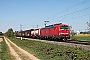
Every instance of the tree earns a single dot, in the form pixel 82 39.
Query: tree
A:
pixel 88 23
pixel 10 33
pixel 1 33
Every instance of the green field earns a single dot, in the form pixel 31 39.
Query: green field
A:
pixel 4 55
pixel 83 37
pixel 46 51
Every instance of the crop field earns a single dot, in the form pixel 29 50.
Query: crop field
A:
pixel 4 55
pixel 46 51
pixel 83 37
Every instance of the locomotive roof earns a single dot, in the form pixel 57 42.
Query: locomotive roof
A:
pixel 50 26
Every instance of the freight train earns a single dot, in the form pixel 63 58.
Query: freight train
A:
pixel 56 31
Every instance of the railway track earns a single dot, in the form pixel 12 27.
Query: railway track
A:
pixel 78 42
pixel 68 41
pixel 71 43
pixel 74 41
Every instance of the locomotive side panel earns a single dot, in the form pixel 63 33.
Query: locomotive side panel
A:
pixel 47 32
pixel 51 31
pixel 42 32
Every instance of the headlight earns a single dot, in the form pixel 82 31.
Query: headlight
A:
pixel 62 33
pixel 67 33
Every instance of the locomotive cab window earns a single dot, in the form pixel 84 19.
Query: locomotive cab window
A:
pixel 64 27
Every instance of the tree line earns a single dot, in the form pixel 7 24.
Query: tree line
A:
pixel 1 33
pixel 9 33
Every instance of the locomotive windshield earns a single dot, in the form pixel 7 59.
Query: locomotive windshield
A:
pixel 64 27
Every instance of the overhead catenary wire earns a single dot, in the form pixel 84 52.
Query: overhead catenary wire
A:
pixel 77 17
pixel 72 13
pixel 73 6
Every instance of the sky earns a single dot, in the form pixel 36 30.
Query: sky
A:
pixel 30 13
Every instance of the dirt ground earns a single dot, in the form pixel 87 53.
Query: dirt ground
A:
pixel 18 53
pixel 1 40
pixel 0 44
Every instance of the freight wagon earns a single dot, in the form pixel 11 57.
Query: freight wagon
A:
pixel 35 33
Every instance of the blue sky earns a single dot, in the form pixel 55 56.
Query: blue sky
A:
pixel 30 13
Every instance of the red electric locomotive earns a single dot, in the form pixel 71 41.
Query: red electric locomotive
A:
pixel 56 31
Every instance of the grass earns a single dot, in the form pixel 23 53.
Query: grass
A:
pixel 46 51
pixel 4 55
